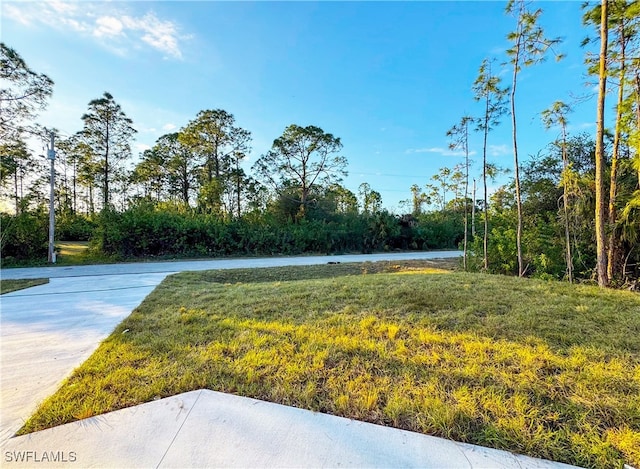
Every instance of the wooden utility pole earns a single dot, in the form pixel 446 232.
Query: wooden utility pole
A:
pixel 51 153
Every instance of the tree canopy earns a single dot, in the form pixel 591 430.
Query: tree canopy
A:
pixel 108 132
pixel 25 94
pixel 304 158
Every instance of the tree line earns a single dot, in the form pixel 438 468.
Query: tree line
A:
pixel 189 194
pixel 570 212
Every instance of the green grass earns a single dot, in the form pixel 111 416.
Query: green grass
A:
pixel 78 253
pixel 545 369
pixel 69 253
pixel 72 249
pixel 7 286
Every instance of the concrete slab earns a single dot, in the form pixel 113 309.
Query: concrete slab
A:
pixel 231 431
pixel 209 429
pixel 49 330
pixel 134 437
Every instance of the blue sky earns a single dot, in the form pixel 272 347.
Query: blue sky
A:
pixel 388 78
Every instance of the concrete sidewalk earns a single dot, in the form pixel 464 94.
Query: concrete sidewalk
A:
pixel 209 429
pixel 47 331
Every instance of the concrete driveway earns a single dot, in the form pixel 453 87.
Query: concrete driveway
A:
pixel 47 331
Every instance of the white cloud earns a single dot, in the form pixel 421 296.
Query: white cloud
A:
pixel 141 147
pixel 108 23
pixel 440 151
pixel 16 14
pixel 425 150
pixel 76 25
pixel 161 35
pixel 108 26
pixel 168 127
pixel 62 7
pixel 498 150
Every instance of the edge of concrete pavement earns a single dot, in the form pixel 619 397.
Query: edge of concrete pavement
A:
pixel 206 428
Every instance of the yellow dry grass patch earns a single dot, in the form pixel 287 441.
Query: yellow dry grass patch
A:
pixel 427 271
pixel 72 248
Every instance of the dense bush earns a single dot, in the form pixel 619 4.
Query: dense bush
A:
pixel 24 236
pixel 146 230
pixel 150 229
pixel 439 230
pixel 542 247
pixel 72 227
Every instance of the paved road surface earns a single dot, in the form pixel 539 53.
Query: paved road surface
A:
pixel 181 266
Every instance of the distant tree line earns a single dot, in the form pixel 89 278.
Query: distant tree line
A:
pixel 189 195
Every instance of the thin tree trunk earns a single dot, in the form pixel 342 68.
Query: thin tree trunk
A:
pixel 185 185
pixel 516 164
pixel 75 200
pixel 105 196
pixel 613 178
pixel 466 192
pixel 304 193
pixel 565 202
pixel 217 158
pixel 21 183
pixel 15 185
pixel 238 195
pixel 485 241
pixel 473 210
pixel 601 262
pixel 91 207
pixel 238 184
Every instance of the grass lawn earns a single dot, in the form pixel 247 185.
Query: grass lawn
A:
pixel 68 253
pixel 71 249
pixel 7 286
pixel 78 253
pixel 545 369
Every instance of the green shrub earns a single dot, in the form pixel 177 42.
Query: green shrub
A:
pixel 74 227
pixel 24 236
pixel 149 230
